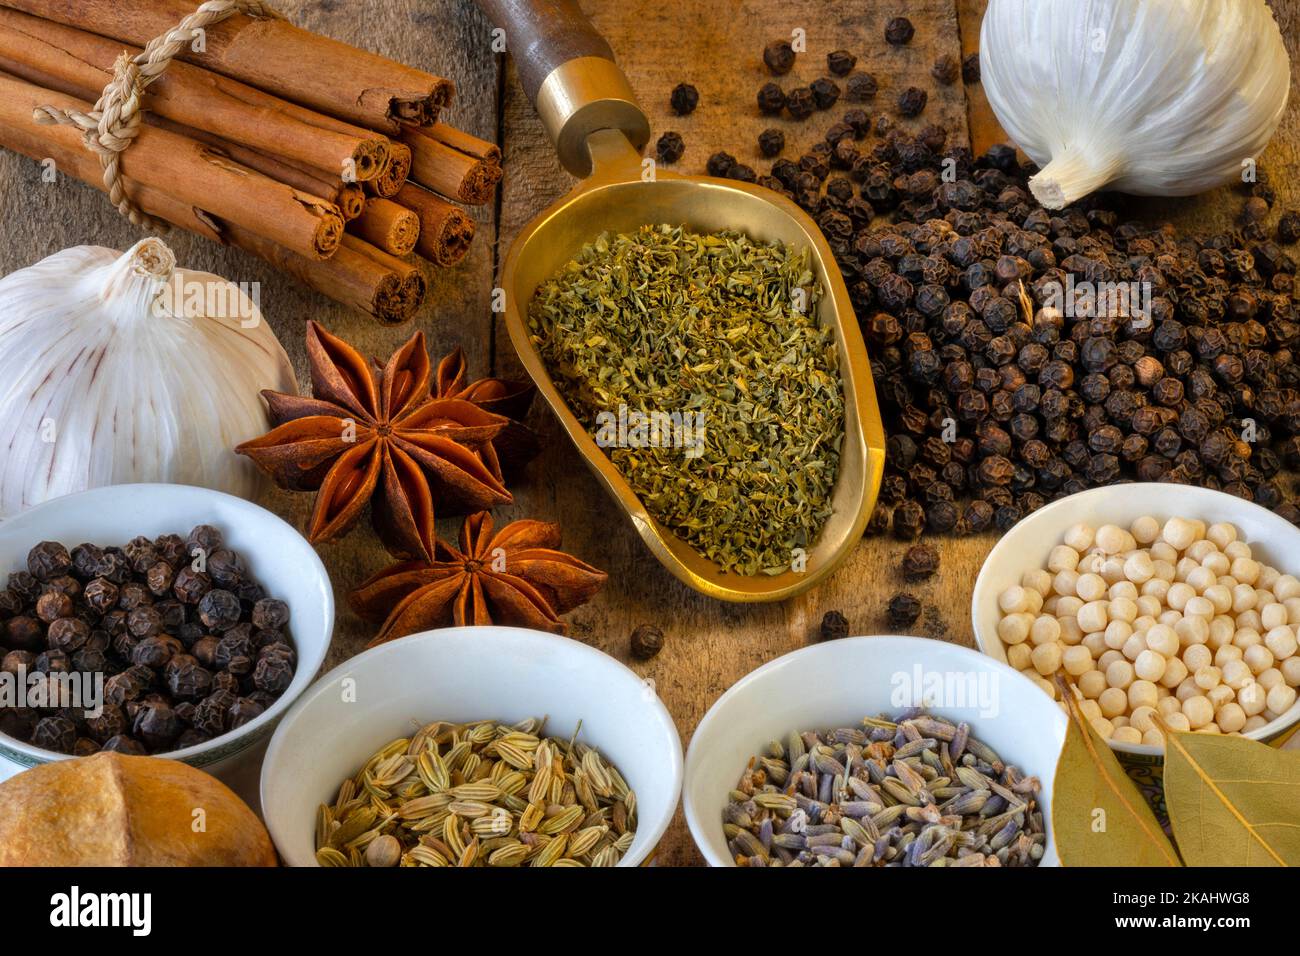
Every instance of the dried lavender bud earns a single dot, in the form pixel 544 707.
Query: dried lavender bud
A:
pixel 826 93
pixel 860 87
pixel 970 68
pixel 834 626
pixel 946 69
pixel 912 101
pixel 669 149
pixel 47 560
pixel 779 57
pixel 920 562
pixel 647 641
pixel 771 142
pixel 771 99
pixel 904 610
pixel 800 103
pixel 683 99
pixel 899 31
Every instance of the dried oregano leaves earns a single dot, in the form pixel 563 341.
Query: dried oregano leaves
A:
pixel 674 325
pixel 480 794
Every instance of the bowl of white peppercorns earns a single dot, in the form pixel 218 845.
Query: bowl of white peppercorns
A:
pixel 1159 604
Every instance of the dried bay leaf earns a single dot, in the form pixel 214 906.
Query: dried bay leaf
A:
pixel 1233 801
pixel 1099 817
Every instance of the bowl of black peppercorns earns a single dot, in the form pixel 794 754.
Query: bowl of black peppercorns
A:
pixel 156 620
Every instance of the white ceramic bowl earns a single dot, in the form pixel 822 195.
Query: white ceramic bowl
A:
pixel 1272 539
pixel 837 684
pixel 467 674
pixel 277 556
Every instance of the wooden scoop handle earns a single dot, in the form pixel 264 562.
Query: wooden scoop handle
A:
pixel 568 71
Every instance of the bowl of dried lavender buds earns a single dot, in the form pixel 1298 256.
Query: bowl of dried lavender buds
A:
pixel 155 619
pixel 474 746
pixel 876 751
pixel 1159 605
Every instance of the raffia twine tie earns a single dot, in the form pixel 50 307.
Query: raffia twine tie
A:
pixel 114 122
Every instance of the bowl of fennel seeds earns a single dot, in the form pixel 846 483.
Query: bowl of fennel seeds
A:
pixel 698 366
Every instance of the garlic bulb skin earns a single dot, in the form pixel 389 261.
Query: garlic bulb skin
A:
pixel 1152 97
pixel 111 373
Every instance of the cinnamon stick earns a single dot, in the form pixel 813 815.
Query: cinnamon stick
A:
pixel 188 171
pixel 445 231
pixel 350 277
pixel 450 172
pixel 81 64
pixel 411 282
pixel 393 175
pixel 385 224
pixel 73 159
pixel 272 55
pixel 349 197
pixel 460 140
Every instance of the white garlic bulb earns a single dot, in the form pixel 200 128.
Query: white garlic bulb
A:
pixel 1154 97
pixel 119 367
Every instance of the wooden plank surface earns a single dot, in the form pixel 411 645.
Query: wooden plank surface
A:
pixel 717 45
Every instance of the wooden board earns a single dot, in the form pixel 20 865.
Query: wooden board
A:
pixel 717 46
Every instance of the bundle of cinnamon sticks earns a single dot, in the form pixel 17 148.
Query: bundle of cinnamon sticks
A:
pixel 326 161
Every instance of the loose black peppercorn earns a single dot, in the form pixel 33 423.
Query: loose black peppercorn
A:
pixel 841 62
pixel 909 520
pixel 970 68
pixel 683 99
pixel 668 148
pixel 899 31
pixel 779 56
pixel 771 100
pixel 860 87
pixel 771 142
pixel 912 101
pixel 920 562
pixel 946 69
pixel 800 103
pixel 719 165
pixel 742 172
pixel 826 93
pixel 834 626
pixel 903 611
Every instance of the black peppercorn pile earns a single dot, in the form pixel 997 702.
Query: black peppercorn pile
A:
pixel 997 401
pixel 186 655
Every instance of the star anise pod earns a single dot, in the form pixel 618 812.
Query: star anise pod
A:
pixel 516 445
pixel 377 436
pixel 515 576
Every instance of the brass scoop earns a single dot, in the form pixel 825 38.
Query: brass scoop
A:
pixel 591 114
